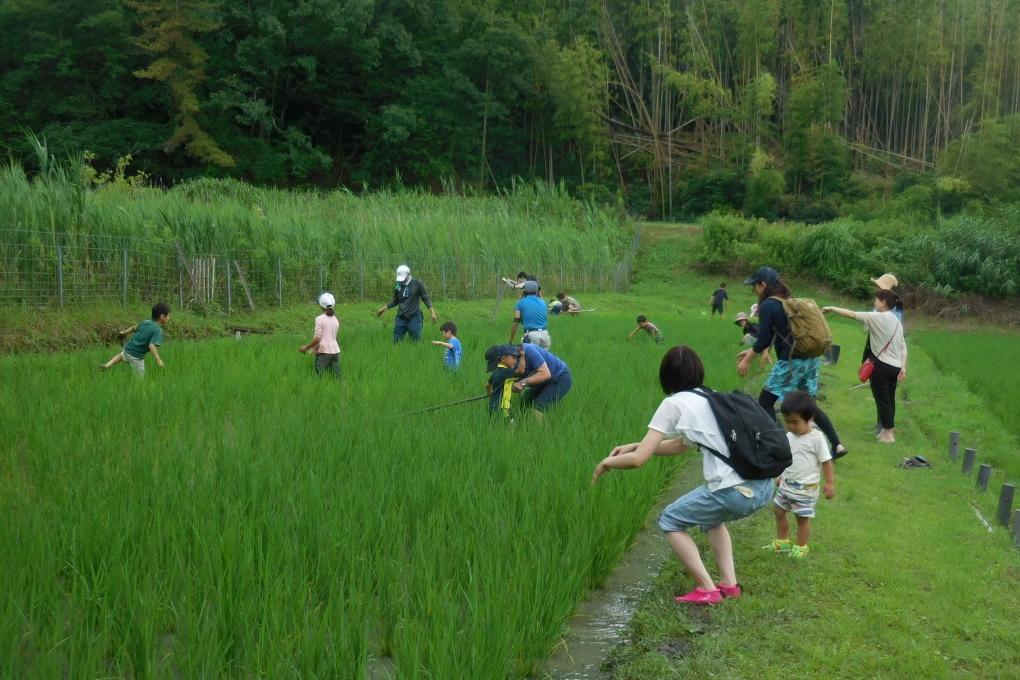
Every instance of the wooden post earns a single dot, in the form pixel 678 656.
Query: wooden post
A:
pixel 191 277
pixel 954 445
pixel 60 274
pixel 124 286
pixel 1005 504
pixel 984 474
pixel 229 282
pixel 244 285
pixel 969 456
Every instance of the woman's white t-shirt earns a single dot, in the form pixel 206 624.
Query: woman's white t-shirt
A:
pixel 886 331
pixel 689 416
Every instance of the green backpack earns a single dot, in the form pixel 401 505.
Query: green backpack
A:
pixel 811 333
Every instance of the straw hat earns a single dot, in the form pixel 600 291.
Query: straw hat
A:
pixel 886 282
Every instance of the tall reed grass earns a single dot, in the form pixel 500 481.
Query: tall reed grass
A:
pixel 531 227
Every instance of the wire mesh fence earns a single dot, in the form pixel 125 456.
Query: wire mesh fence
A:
pixel 65 268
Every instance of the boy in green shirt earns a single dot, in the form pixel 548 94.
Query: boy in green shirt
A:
pixel 148 336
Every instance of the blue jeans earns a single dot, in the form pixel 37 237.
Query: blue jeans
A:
pixel 412 326
pixel 541 397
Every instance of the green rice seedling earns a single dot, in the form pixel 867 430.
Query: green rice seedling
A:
pixel 231 515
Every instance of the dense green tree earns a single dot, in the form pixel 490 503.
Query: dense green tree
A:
pixel 666 101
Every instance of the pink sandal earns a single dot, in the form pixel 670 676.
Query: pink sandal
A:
pixel 699 596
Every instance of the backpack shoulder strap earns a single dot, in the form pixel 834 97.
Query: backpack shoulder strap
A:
pixel 703 392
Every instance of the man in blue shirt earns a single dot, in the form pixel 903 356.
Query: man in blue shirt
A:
pixel 530 312
pixel 544 375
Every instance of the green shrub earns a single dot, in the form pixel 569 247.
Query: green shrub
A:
pixel 832 253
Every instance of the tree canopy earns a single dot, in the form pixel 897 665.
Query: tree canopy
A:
pixel 652 101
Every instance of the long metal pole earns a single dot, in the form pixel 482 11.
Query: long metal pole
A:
pixel 452 403
pixel 125 287
pixel 279 282
pixel 229 285
pixel 60 274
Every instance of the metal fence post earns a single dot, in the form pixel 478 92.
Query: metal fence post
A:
pixel 969 456
pixel 1005 504
pixel 229 286
pixel 125 288
pixel 180 287
pixel 954 445
pixel 984 474
pixel 320 278
pixel 563 286
pixel 361 280
pixel 279 282
pixel 446 295
pixel 60 274
pixel 1016 529
pixel 474 289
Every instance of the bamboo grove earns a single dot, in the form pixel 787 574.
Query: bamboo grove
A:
pixel 676 106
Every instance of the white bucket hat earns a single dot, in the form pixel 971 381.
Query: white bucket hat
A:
pixel 326 301
pixel 886 282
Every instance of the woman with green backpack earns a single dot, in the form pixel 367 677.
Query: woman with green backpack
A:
pixel 798 356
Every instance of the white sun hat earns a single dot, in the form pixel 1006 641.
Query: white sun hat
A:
pixel 403 273
pixel 326 300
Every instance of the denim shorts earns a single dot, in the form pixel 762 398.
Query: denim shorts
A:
pixel 708 509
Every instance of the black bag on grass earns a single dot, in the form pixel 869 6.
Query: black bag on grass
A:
pixel 758 447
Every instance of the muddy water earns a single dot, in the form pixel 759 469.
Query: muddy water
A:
pixel 600 622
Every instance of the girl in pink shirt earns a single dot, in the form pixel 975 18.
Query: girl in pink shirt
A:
pixel 327 349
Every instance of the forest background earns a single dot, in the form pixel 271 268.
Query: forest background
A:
pixel 899 114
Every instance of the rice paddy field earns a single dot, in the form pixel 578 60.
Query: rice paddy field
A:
pixel 231 515
pixel 985 362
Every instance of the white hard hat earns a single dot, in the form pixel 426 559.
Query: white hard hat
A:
pixel 403 272
pixel 326 300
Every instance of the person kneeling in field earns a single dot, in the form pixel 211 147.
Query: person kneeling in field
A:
pixel 685 420
pixel 545 376
pixel 327 349
pixel 568 305
pixel 147 337
pixel 798 485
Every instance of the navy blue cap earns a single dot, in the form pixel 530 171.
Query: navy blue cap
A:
pixel 764 275
pixel 497 352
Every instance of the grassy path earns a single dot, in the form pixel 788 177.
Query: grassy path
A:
pixel 903 580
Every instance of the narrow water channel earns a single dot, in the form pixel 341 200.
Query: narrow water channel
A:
pixel 600 622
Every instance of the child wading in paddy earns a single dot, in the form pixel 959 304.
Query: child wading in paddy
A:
pixel 798 485
pixel 324 342
pixel 643 324
pixel 147 337
pixel 685 420
pixel 454 352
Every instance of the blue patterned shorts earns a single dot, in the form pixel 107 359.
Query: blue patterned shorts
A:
pixel 794 374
